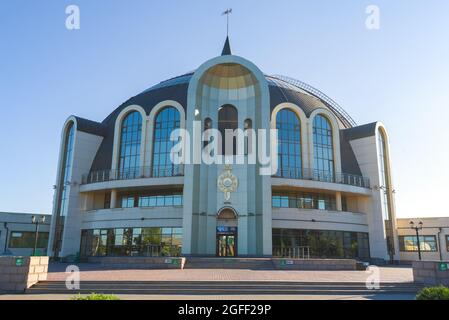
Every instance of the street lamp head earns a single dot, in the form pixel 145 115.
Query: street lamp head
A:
pixel 412 223
pixel 33 219
pixel 43 219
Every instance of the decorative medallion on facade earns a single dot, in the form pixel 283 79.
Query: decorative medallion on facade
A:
pixel 227 182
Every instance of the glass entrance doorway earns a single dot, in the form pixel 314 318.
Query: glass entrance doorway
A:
pixel 226 241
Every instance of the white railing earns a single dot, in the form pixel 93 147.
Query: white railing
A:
pixel 300 252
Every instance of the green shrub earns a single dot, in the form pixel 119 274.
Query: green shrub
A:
pixel 95 296
pixel 433 293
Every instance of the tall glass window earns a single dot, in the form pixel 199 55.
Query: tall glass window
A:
pixel 323 148
pixel 304 200
pixel 383 175
pixel 153 242
pixel 131 132
pixel 385 192
pixel 410 243
pixel 207 126
pixel 227 119
pixel 321 244
pixel 289 144
pixel 63 188
pixel 167 120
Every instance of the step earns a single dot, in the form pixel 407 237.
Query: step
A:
pixel 220 287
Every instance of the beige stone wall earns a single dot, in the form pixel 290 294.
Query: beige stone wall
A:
pixel 429 273
pixel 314 264
pixel 19 278
pixel 141 262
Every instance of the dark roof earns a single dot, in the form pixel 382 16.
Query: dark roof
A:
pixel 176 89
pixel 359 132
pixel 226 48
pixel 91 127
pixel 147 100
pixel 349 162
pixel 305 101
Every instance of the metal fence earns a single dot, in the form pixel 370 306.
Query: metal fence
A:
pixel 132 173
pixel 161 251
pixel 302 252
pixel 324 176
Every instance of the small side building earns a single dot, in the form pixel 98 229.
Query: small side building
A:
pixel 433 238
pixel 17 233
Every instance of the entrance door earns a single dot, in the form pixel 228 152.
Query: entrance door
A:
pixel 226 241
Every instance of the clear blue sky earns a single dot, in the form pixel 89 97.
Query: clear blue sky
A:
pixel 398 74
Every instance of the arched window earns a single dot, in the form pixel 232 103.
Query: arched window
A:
pixel 384 174
pixel 248 125
pixel 385 190
pixel 289 144
pixel 207 126
pixel 323 148
pixel 227 119
pixel 167 120
pixel 63 194
pixel 130 140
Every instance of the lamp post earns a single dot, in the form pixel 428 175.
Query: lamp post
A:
pixel 5 224
pixel 417 228
pixel 36 221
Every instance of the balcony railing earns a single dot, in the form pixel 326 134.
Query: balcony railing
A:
pixel 176 171
pixel 302 252
pixel 324 176
pixel 132 173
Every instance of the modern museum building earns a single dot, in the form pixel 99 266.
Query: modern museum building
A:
pixel 120 193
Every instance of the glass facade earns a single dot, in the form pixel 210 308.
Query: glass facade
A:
pixel 323 148
pixel 447 243
pixel 63 188
pixel 289 144
pixel 154 241
pixel 167 120
pixel 160 201
pixel 144 200
pixel 130 141
pixel 304 200
pixel 410 243
pixel 26 239
pixel 323 243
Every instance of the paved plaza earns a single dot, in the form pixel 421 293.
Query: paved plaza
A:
pixel 94 272
pixel 97 273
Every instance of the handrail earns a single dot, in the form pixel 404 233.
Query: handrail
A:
pixel 324 176
pixel 340 112
pixel 131 173
pixel 177 171
pixel 298 252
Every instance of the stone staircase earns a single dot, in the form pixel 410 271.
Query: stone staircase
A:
pixel 223 288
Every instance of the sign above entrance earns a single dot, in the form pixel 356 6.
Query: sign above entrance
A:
pixel 227 182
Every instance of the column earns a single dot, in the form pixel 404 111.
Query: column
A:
pixel 338 201
pixel 242 235
pixel 113 198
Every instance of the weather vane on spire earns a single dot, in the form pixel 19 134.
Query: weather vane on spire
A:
pixel 227 13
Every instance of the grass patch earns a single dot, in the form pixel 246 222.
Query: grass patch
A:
pixel 95 296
